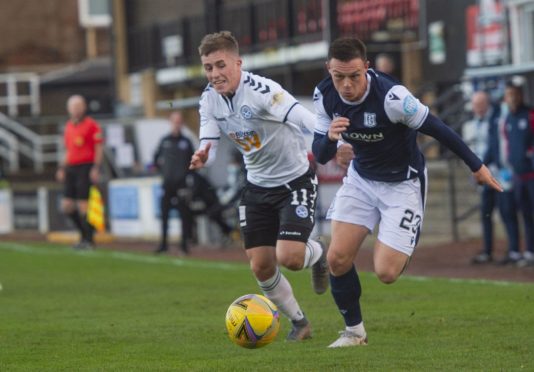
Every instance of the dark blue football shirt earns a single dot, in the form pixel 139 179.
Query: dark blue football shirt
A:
pixel 382 128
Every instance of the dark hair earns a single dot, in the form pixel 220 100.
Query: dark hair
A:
pixel 346 49
pixel 223 40
pixel 511 85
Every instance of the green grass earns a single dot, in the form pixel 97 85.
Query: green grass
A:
pixel 103 310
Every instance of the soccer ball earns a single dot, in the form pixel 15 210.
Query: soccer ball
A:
pixel 252 321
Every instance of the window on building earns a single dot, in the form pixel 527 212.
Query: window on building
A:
pixel 94 13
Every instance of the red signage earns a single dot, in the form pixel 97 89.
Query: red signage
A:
pixel 378 20
pixel 486 43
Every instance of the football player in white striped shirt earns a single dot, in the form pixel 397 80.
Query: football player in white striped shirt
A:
pixel 277 207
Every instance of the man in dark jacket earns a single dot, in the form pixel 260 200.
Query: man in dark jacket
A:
pixel 172 159
pixel 518 147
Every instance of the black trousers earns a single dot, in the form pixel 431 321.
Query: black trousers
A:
pixel 177 196
pixel 204 191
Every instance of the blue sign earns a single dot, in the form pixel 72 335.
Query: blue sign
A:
pixel 124 202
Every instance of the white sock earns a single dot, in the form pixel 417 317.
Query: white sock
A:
pixel 313 253
pixel 278 290
pixel 358 329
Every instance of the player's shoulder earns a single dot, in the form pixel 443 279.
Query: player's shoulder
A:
pixel 399 103
pixel 382 83
pixel 390 90
pixel 325 92
pixel 207 95
pixel 325 86
pixel 259 85
pixel 208 90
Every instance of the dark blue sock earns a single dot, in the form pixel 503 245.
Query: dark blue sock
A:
pixel 346 290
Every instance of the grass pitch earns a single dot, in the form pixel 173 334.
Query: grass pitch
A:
pixel 104 310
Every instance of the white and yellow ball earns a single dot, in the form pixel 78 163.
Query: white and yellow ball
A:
pixel 252 321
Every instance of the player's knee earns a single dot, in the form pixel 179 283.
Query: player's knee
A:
pixel 290 261
pixel 263 270
pixel 387 276
pixel 339 264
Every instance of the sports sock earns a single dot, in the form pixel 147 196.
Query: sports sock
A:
pixel 312 254
pixel 358 329
pixel 279 291
pixel 88 229
pixel 346 290
pixel 76 219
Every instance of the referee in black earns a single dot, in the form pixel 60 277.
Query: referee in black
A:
pixel 172 159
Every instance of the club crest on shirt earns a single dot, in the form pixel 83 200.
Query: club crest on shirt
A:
pixel 246 112
pixel 369 119
pixel 301 211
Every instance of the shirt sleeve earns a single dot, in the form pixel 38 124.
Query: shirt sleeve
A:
pixel 402 107
pixel 322 147
pixel 274 99
pixel 301 116
pixel 322 120
pixel 97 133
pixel 209 129
pixel 434 127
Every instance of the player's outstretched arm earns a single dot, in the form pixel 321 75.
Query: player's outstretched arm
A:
pixel 200 157
pixel 436 128
pixel 484 177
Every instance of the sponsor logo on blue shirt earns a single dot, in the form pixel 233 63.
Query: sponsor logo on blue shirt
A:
pixel 409 105
pixel 363 137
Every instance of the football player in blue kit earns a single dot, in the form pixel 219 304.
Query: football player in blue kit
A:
pixel 386 182
pixel 276 211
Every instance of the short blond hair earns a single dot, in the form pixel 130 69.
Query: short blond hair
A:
pixel 223 40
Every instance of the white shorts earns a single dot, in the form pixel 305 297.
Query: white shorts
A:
pixel 398 207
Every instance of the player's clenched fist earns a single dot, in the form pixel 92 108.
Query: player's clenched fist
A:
pixel 338 125
pixel 344 155
pixel 200 157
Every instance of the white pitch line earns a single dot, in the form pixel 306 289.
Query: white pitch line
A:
pixel 141 258
pixel 132 257
pixel 503 283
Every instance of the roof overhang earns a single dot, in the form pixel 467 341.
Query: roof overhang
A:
pixel 514 69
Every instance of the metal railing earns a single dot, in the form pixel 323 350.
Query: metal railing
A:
pixel 9 149
pixel 39 149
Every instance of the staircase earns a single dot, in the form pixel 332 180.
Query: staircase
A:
pixel 22 144
pixel 19 145
pixel 438 225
